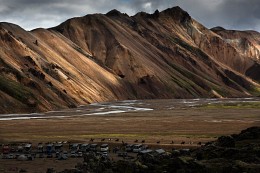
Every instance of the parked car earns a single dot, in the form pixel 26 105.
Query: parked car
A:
pixel 13 150
pixel 58 147
pixel 62 157
pixel 122 154
pixel 73 154
pixel 137 148
pixel 75 147
pixel 41 155
pixel 79 154
pixel 104 148
pixel 84 147
pixel 28 148
pixel 5 149
pixel 129 147
pixel 65 153
pixel 49 155
pixel 49 148
pixel 57 154
pixel 10 156
pixel 20 149
pixel 104 154
pixel 17 155
pixel 93 147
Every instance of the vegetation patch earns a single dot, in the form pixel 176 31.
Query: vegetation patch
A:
pixel 255 91
pixel 240 105
pixel 10 69
pixel 221 91
pixel 193 50
pixel 15 89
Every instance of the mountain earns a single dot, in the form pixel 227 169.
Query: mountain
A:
pixel 113 56
pixel 246 43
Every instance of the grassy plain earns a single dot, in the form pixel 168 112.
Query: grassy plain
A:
pixel 183 124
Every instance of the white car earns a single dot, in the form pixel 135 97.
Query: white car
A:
pixel 104 148
pixel 80 154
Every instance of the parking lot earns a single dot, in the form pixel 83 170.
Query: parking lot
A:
pixel 61 155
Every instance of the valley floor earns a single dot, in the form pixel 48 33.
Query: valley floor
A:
pixel 162 120
pixel 159 123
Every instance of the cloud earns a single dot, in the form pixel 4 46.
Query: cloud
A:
pixel 241 14
pixel 231 14
pixel 30 14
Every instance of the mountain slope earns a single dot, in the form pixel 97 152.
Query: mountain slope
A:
pixel 51 74
pixel 245 42
pixel 114 57
pixel 159 41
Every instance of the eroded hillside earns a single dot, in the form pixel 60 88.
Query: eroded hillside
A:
pixel 114 56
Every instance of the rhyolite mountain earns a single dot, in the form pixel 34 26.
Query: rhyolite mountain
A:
pixel 113 56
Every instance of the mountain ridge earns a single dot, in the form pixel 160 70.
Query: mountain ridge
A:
pixel 113 56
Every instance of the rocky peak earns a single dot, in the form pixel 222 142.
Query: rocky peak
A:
pixel 115 13
pixel 156 14
pixel 142 14
pixel 8 26
pixel 217 28
pixel 178 14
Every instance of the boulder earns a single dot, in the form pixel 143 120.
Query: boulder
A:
pixel 226 141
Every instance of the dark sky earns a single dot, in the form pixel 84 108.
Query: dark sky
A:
pixel 230 14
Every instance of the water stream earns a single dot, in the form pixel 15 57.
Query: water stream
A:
pixel 120 107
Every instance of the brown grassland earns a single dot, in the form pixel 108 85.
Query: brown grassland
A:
pixel 187 124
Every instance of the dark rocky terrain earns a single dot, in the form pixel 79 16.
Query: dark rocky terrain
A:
pixel 228 154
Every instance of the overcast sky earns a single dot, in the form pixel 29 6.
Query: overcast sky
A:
pixel 231 14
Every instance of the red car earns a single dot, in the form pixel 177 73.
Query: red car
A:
pixel 6 149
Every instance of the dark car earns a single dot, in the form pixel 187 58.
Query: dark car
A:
pixel 122 154
pixel 49 155
pixel 93 147
pixel 41 155
pixel 129 147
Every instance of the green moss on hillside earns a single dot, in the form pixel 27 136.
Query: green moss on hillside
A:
pixel 240 105
pixel 194 50
pixel 255 91
pixel 9 69
pixel 15 89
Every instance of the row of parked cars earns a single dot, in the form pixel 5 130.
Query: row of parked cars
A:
pixel 63 151
pixel 50 150
pixel 76 147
